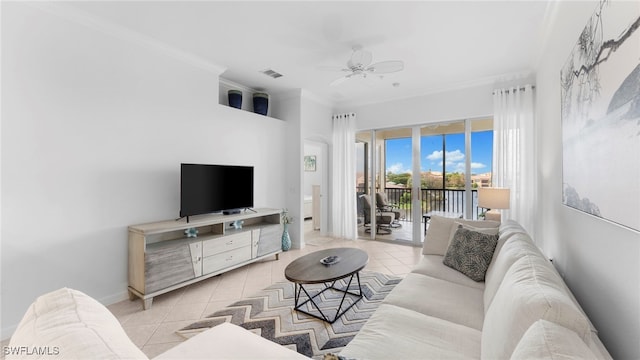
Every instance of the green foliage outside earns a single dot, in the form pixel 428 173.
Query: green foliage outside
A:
pixel 430 181
pixel 401 179
pixel 455 180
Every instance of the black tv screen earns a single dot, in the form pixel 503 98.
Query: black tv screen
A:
pixel 213 188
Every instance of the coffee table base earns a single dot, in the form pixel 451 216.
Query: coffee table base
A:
pixel 299 289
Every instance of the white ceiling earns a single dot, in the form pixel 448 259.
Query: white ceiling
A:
pixel 444 44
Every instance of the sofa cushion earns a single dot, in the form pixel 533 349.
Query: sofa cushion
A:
pixel 547 340
pixel 507 230
pixel 432 265
pixel 439 298
pixel 228 341
pixel 393 332
pixel 75 326
pixel 530 291
pixel 515 247
pixel 437 240
pixel 470 252
pixel 510 227
pixel 521 245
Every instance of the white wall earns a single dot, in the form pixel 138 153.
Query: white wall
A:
pixel 288 108
pixel 457 104
pixel 94 129
pixel 306 118
pixel 600 261
pixel 317 124
pixel 317 130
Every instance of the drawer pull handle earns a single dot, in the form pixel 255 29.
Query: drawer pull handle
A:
pixel 230 242
pixel 230 258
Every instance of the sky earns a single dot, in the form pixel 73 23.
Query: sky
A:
pixel 399 153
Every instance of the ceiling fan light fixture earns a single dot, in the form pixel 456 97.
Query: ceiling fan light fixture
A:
pixel 360 65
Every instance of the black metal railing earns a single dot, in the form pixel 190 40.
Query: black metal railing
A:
pixel 450 200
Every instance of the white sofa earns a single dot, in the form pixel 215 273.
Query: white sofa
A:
pixel 68 324
pixel 522 309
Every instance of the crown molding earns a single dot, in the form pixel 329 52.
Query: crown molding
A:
pixel 486 81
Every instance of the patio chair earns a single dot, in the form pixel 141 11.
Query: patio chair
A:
pixel 384 219
pixel 382 203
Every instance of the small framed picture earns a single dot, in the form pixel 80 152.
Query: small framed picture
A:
pixel 310 163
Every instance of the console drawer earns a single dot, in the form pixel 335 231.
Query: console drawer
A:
pixel 226 243
pixel 226 259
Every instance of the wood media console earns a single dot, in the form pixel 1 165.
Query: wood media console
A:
pixel 163 258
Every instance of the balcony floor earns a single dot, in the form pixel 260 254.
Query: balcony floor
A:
pixel 400 235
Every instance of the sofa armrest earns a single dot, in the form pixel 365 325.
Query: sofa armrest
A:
pixel 68 324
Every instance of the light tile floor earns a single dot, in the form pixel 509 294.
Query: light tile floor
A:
pixel 153 330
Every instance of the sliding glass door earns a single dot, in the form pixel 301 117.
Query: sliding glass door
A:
pixel 443 167
pixel 412 172
pixel 481 160
pixel 385 186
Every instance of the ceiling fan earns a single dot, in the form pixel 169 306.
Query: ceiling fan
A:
pixel 360 65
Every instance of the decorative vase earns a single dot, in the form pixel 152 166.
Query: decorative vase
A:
pixel 286 240
pixel 235 99
pixel 260 103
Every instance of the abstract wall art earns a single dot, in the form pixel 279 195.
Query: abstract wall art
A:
pixel 600 104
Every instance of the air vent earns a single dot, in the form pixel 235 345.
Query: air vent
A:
pixel 271 73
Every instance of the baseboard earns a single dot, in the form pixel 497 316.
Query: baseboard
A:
pixel 112 299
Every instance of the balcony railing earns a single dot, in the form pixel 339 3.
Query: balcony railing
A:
pixel 450 200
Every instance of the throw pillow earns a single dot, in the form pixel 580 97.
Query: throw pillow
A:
pixel 437 239
pixel 458 224
pixel 439 233
pixel 470 252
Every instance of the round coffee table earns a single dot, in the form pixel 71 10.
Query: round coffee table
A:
pixel 317 268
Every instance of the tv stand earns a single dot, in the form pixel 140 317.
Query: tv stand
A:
pixel 162 258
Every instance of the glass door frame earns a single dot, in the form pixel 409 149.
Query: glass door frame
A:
pixel 373 162
pixel 416 187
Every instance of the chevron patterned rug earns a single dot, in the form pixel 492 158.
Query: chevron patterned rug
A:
pixel 270 314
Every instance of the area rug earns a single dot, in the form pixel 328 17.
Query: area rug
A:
pixel 270 314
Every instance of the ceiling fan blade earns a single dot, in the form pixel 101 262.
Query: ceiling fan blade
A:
pixel 385 67
pixel 360 56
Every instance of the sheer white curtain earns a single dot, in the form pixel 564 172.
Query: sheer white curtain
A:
pixel 514 151
pixel 344 211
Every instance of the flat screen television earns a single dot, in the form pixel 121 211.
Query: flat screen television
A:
pixel 208 189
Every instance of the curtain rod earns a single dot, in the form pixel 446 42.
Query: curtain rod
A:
pixel 518 89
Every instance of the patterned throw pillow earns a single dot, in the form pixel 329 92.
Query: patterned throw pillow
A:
pixel 470 252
